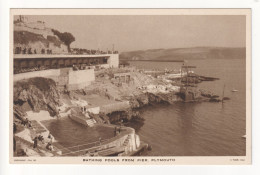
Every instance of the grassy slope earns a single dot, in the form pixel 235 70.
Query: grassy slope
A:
pixel 186 53
pixel 25 37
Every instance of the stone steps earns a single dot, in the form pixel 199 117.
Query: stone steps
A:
pixel 91 122
pixel 126 141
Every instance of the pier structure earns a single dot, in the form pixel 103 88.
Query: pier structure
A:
pixel 56 61
pixel 187 91
pixel 70 72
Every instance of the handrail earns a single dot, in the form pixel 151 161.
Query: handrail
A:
pixel 95 147
pixel 111 139
pixel 83 144
pixel 72 152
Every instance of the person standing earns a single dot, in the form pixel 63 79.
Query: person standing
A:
pixel 50 137
pixel 49 147
pixel 35 142
pixel 115 131
pixel 119 129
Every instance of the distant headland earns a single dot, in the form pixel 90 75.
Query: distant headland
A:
pixel 181 54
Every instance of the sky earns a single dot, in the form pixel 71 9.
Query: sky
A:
pixel 140 32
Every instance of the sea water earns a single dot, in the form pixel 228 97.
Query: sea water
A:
pixel 205 128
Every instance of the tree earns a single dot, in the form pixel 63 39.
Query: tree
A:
pixel 66 37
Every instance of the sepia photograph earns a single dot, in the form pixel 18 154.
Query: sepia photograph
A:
pixel 130 86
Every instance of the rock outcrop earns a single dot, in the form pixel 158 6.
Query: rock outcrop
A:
pixel 39 93
pixel 151 98
pixel 139 101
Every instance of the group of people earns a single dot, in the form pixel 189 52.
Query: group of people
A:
pixel 80 51
pixel 117 130
pixel 79 67
pixel 40 138
pixel 27 123
pixel 91 154
pixel 30 69
pixel 20 50
pixel 84 109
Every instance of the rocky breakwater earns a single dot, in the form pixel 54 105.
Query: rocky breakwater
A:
pixel 35 94
pixel 152 94
pixel 148 95
pixel 157 94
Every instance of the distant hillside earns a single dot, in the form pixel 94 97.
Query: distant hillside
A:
pixel 185 54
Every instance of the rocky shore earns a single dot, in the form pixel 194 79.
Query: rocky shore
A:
pixel 118 102
pixel 37 94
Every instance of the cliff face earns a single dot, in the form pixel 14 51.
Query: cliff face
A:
pixel 37 93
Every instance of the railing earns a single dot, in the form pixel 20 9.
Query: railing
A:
pixel 94 146
pixel 90 146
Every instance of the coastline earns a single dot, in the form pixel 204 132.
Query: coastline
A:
pixel 104 101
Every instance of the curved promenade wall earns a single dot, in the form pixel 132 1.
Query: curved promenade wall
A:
pixel 52 73
pixel 73 79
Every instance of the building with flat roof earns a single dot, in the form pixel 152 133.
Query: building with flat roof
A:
pixel 68 71
pixel 52 61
